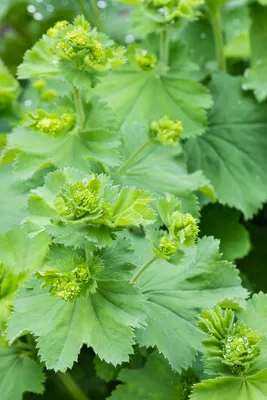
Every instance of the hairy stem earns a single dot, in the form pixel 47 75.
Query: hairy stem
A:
pixel 218 37
pixel 71 386
pixel 79 106
pixel 139 272
pixel 164 46
pixel 124 166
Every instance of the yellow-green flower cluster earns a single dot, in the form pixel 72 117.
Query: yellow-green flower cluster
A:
pixel 145 60
pixel 51 124
pixel 166 131
pixel 68 285
pixel 168 10
pixel 167 247
pixel 45 94
pixel 184 228
pixel 85 47
pixel 81 199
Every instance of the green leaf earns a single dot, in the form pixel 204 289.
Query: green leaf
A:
pixel 155 381
pixel 98 140
pixel 223 223
pixel 255 313
pixel 252 387
pixel 13 199
pixel 19 374
pixel 230 156
pixel 159 169
pixel 176 297
pixel 145 96
pixel 105 371
pixel 39 62
pixel 104 320
pixel 255 77
pixel 19 256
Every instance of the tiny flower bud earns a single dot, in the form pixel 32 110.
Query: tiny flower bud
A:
pixel 184 228
pixel 82 273
pixel 49 95
pixel 39 84
pixel 55 30
pixel 167 247
pixel 145 60
pixel 166 131
pixel 51 124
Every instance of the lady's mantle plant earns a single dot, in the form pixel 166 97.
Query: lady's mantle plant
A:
pixel 99 237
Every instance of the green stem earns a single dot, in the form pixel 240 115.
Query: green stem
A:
pixel 79 106
pixel 71 386
pixel 139 272
pixel 164 46
pixel 85 10
pixel 218 37
pixel 95 10
pixel 103 168
pixel 124 166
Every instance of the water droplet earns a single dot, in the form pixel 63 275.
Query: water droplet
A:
pixel 54 62
pixel 102 4
pixel 244 86
pixel 39 1
pixel 31 8
pixel 129 38
pixel 50 8
pixel 27 103
pixel 203 35
pixel 259 62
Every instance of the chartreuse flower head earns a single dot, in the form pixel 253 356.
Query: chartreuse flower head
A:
pixel 76 277
pixel 181 230
pixel 51 124
pixel 85 47
pixel 81 199
pixel 145 60
pixel 234 343
pixel 166 131
pixel 48 95
pixel 169 10
pixel 167 247
pixel 184 228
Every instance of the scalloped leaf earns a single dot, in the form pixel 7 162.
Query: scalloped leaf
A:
pixel 255 76
pixel 229 154
pixel 176 297
pixel 160 169
pixel 146 96
pixel 19 374
pixel 104 320
pixel 98 141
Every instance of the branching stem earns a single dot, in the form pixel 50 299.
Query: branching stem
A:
pixel 124 166
pixel 72 387
pixel 164 46
pixel 103 168
pixel 79 106
pixel 218 37
pixel 142 269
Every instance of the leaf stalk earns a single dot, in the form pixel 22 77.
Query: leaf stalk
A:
pixel 142 269
pixel 124 166
pixel 71 386
pixel 164 46
pixel 218 37
pixel 79 106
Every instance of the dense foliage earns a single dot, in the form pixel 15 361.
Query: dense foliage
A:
pixel 133 176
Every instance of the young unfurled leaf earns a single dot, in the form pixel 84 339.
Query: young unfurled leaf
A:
pixel 76 200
